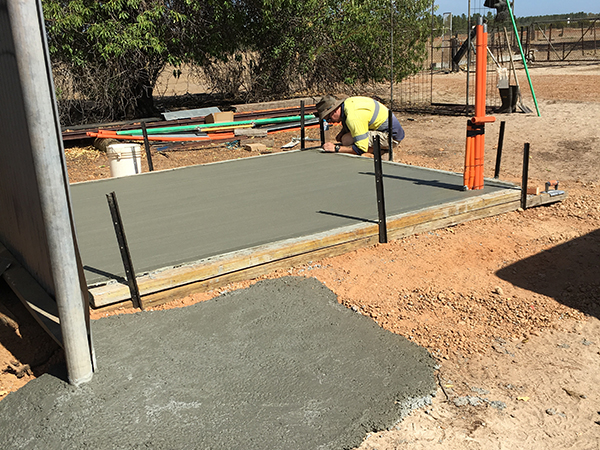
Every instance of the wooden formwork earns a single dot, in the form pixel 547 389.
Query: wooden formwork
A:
pixel 210 273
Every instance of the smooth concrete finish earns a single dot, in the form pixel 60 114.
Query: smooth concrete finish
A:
pixel 280 365
pixel 184 215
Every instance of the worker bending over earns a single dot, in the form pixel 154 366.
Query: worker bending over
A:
pixel 362 119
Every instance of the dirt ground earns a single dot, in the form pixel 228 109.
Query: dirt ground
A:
pixel 509 305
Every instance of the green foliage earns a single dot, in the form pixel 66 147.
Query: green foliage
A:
pixel 314 45
pixel 108 54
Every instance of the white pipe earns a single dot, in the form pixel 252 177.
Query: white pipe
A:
pixel 27 27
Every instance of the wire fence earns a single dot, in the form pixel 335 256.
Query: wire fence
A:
pixel 447 82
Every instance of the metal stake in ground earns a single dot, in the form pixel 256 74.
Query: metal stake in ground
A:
pixel 322 131
pixel 499 151
pixel 147 146
pixel 379 188
pixel 302 132
pixel 124 248
pixel 525 176
pixel 390 137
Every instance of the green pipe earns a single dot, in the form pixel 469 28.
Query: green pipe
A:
pixel 512 18
pixel 174 129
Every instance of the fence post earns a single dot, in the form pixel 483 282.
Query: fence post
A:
pixel 594 37
pixel 522 32
pixel 582 42
pixel 549 42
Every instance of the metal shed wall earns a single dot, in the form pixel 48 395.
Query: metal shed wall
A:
pixel 22 228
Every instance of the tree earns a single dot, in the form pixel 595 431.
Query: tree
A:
pixel 108 54
pixel 314 45
pixel 360 49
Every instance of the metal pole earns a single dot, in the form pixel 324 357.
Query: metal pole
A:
pixel 514 24
pixel 390 136
pixel 379 189
pixel 468 52
pixel 32 57
pixel 302 132
pixel 391 53
pixel 147 147
pixel 124 249
pixel 431 59
pixel 525 176
pixel 521 39
pixel 390 148
pixel 322 131
pixel 549 42
pixel 499 151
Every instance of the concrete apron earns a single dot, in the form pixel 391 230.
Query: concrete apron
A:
pixel 280 365
pixel 187 216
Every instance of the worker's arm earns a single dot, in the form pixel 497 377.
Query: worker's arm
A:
pixel 333 147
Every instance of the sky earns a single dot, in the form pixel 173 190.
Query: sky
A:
pixel 524 8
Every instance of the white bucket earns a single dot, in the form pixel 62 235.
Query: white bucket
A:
pixel 124 159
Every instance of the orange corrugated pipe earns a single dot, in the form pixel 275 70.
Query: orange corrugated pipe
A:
pixel 480 71
pixel 467 156
pixel 478 162
pixel 472 157
pixel 469 173
pixel 480 119
pixel 480 78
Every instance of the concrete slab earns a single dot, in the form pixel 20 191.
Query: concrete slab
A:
pixel 281 365
pixel 190 215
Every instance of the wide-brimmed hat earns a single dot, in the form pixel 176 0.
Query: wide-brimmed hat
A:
pixel 327 105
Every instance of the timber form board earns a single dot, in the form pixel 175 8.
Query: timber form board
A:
pixel 164 285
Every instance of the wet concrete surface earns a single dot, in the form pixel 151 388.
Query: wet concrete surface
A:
pixel 280 365
pixel 184 215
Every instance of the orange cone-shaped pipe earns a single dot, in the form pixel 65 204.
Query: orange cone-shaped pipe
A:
pixel 468 153
pixel 480 85
pixel 475 145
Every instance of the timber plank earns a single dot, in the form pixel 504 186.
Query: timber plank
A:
pixel 545 199
pixel 210 273
pixel 35 298
pixel 39 303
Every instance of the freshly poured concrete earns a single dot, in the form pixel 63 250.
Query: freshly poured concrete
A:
pixel 184 215
pixel 280 365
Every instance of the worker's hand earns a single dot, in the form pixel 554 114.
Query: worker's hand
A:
pixel 329 147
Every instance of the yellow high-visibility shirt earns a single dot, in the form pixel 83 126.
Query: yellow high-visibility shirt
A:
pixel 363 114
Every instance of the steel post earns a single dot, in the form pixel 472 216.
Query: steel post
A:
pixel 525 176
pixel 33 60
pixel 147 147
pixel 379 188
pixel 499 150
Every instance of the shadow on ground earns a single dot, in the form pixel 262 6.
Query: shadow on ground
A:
pixel 569 273
pixel 280 365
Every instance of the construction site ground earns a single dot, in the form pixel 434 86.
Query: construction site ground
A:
pixel 508 305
